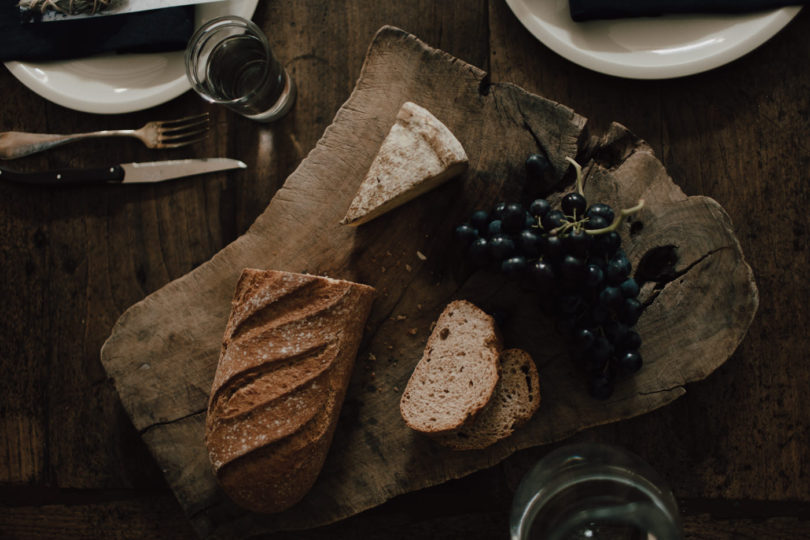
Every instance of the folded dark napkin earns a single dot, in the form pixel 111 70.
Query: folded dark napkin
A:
pixel 144 32
pixel 586 10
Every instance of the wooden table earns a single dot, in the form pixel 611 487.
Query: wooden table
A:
pixel 734 448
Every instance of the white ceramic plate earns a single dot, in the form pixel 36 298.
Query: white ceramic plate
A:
pixel 115 84
pixel 653 47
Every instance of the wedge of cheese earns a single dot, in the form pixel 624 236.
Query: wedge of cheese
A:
pixel 418 154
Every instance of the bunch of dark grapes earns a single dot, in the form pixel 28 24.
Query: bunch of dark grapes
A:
pixel 572 256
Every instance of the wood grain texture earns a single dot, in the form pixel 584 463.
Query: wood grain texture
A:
pixel 163 350
pixel 730 134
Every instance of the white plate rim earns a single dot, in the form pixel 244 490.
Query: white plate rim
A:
pixel 37 75
pixel 629 65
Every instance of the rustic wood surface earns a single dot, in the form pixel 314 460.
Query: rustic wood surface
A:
pixel 163 351
pixel 733 447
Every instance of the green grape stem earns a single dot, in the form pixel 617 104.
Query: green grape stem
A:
pixel 618 219
pixel 578 168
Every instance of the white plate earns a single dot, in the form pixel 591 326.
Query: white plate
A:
pixel 652 47
pixel 115 84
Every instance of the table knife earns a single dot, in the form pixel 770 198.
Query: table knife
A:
pixel 125 173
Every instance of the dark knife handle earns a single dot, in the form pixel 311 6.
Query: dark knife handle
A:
pixel 114 174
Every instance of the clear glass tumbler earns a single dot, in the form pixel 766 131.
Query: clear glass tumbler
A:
pixel 593 491
pixel 229 62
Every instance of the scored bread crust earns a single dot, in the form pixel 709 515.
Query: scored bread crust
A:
pixel 418 154
pixel 284 367
pixel 457 374
pixel 516 399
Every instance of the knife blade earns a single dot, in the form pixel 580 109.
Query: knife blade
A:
pixel 125 173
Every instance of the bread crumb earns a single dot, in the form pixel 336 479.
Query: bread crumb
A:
pixel 419 307
pixel 421 255
pixel 371 357
pixel 408 267
pixel 401 317
pixel 382 269
pixel 412 331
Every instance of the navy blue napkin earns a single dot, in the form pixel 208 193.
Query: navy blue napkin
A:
pixel 586 10
pixel 143 32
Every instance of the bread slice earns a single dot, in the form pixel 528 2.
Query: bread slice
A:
pixel 458 371
pixel 286 359
pixel 516 399
pixel 418 154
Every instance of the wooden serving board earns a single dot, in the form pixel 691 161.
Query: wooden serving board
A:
pixel 700 293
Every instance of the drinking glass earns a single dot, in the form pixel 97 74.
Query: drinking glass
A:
pixel 229 62
pixel 593 491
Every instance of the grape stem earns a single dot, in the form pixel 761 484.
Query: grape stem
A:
pixel 623 213
pixel 578 168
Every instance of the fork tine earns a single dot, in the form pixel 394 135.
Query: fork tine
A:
pixel 184 127
pixel 183 135
pixel 183 143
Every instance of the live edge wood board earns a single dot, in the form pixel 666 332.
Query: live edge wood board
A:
pixel 699 292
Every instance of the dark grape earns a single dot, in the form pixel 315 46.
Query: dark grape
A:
pixel 551 246
pixel 596 222
pixel 512 218
pixel 599 313
pixel 478 252
pixel 631 341
pixel 495 227
pixel 514 267
pixel 539 207
pixel 611 297
pixel 596 357
pixel 497 211
pixel 466 233
pixel 537 165
pixel 480 220
pixel 529 221
pixel 600 387
pixel 573 204
pixel 630 311
pixel 602 210
pixel 572 268
pixel 552 220
pixel 618 268
pixel 615 332
pixel 529 243
pixel 607 244
pixel 584 338
pixel 629 288
pixel 593 276
pixel 629 362
pixel 598 261
pixel 501 247
pixel 577 243
pixel 541 273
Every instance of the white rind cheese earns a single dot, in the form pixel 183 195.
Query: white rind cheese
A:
pixel 417 155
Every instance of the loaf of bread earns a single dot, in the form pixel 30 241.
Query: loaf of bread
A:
pixel 457 374
pixel 286 359
pixel 418 154
pixel 516 399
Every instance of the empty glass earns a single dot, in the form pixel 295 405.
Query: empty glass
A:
pixel 593 491
pixel 229 62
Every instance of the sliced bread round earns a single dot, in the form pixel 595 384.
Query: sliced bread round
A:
pixel 457 374
pixel 516 399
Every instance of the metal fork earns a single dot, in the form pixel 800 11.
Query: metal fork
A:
pixel 160 134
